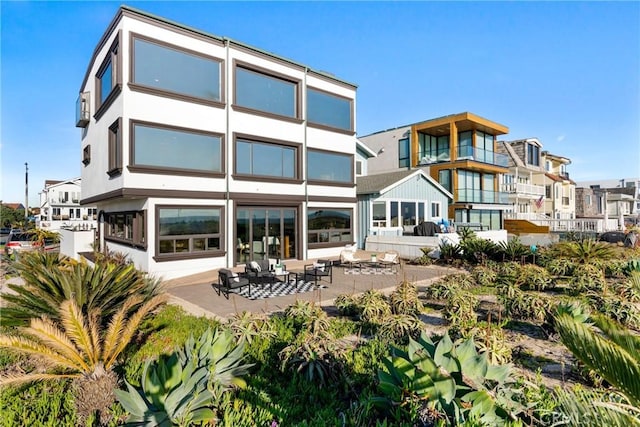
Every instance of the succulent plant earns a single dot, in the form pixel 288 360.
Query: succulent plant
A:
pixel 404 299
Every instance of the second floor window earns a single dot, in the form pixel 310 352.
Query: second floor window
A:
pixel 329 167
pixel 403 153
pixel 266 159
pixel 115 148
pixel 533 155
pixel 263 92
pixel 329 110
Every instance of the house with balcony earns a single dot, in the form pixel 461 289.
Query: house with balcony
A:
pixel 559 200
pixel 202 152
pixel 60 207
pixel 460 152
pixel 525 162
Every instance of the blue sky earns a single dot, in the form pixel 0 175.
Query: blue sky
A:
pixel 566 73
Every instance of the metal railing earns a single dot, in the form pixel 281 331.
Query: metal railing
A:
pixel 480 196
pixel 483 156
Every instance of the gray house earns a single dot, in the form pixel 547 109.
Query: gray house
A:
pixel 395 202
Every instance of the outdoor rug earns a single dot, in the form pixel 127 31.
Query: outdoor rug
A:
pixel 279 289
pixel 367 270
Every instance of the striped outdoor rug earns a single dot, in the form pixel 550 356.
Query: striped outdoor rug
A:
pixel 278 289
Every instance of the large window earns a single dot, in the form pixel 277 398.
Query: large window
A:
pixel 108 79
pixel 189 230
pixel 180 149
pixel 266 159
pixel 329 227
pixel 404 153
pixel 175 70
pixel 329 110
pixel 115 148
pixel 444 178
pixel 433 149
pixel 379 214
pixel 533 154
pixel 267 93
pixel 484 147
pixel 329 167
pixel 126 227
pixel 465 144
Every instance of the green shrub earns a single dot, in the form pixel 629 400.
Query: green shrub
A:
pixel 519 305
pixel 616 308
pixel 460 311
pixel 373 306
pixel 38 404
pixel 399 327
pixel 491 339
pixel 587 277
pixel 404 299
pixel 532 277
pixel 513 249
pixel 484 276
pixel 347 305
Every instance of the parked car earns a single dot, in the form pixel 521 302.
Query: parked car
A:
pixel 19 241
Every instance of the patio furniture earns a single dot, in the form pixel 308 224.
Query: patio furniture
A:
pixel 259 273
pixel 348 258
pixel 228 281
pixel 319 270
pixel 390 260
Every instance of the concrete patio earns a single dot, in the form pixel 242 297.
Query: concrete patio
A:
pixel 197 295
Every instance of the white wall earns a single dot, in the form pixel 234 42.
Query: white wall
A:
pixel 73 242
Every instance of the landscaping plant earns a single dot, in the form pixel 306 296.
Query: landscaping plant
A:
pixel 404 299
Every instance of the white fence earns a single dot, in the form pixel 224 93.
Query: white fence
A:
pixel 579 225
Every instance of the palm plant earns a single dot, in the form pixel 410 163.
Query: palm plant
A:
pixel 585 251
pixel 513 249
pixel 614 353
pixel 49 280
pixel 81 349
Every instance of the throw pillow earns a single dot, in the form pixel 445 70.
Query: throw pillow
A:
pixel 319 266
pixel 255 266
pixel 389 257
pixel 235 277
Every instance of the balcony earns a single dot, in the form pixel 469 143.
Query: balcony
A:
pixel 530 190
pixel 471 195
pixel 431 157
pixel 482 156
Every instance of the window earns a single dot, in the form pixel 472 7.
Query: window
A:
pixel 55 212
pixel 404 153
pixel 86 155
pixel 358 167
pixel 444 178
pixel 533 154
pixel 329 167
pixel 267 93
pixel 484 147
pixel 379 214
pixel 126 227
pixel 257 158
pixel 174 70
pixel 433 149
pixel 547 191
pixel 189 230
pixel 329 227
pixel 435 210
pixel 465 144
pixel 115 148
pixel 329 110
pixel 156 146
pixel 548 165
pixel 408 213
pixel 108 80
pixel 587 199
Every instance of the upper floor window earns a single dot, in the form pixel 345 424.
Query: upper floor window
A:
pixel 174 70
pixel 266 159
pixel 86 155
pixel 329 110
pixel 548 165
pixel 115 148
pixel 533 155
pixel 108 79
pixel 444 178
pixel 160 147
pixel 433 149
pixel 403 153
pixel 329 167
pixel 267 93
pixel 188 230
pixel 465 143
pixel 358 167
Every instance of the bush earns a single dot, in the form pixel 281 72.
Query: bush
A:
pixel 484 276
pixel 532 277
pixel 587 277
pixel 38 404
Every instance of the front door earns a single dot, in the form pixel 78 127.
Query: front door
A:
pixel 264 233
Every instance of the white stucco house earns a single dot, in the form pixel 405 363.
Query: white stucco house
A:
pixel 60 207
pixel 201 152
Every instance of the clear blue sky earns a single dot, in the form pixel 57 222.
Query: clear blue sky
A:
pixel 567 73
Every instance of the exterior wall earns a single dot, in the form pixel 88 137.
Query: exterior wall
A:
pixel 65 198
pixel 387 160
pixel 586 203
pixel 72 242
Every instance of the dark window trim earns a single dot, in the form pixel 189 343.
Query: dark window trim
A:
pixel 139 217
pixel 86 155
pixel 115 149
pixel 297 179
pixel 349 131
pixel 170 170
pixel 113 57
pixel 297 118
pixel 167 93
pixel 328 244
pixel 158 257
pixel 333 183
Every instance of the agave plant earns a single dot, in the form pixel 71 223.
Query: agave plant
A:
pixel 523 305
pixel 309 317
pixel 614 353
pixel 451 379
pixel 587 277
pixel 80 349
pixel 460 311
pixel 50 280
pixel 629 289
pixel 346 304
pixel 532 277
pixel 404 299
pixel 246 326
pixel 316 358
pixel 399 327
pixel 373 306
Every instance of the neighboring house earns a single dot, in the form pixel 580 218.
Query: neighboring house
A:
pixel 559 200
pixel 398 200
pixel 632 186
pixel 591 202
pixel 201 152
pixel 525 163
pixel 60 207
pixel 458 151
pixel 363 154
pixel 14 206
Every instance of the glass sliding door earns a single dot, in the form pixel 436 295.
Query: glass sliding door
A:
pixel 265 233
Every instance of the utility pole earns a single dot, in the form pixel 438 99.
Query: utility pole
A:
pixel 26 192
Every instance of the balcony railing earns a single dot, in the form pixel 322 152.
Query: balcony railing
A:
pixel 483 156
pixel 470 195
pixel 524 189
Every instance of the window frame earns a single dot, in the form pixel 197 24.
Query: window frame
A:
pixel 329 244
pixel 533 154
pixel 115 149
pixel 160 257
pixel 296 118
pixel 138 228
pixel 438 206
pixel 316 181
pixel 169 93
pixel 325 126
pixel 166 170
pixel 267 141
pixel 402 160
pixel 86 155
pixel 113 58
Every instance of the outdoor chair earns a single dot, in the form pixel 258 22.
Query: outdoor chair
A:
pixel 348 259
pixel 228 280
pixel 259 273
pixel 390 259
pixel 319 270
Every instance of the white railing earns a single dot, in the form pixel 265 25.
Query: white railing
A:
pixel 581 225
pixel 524 189
pixel 529 216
